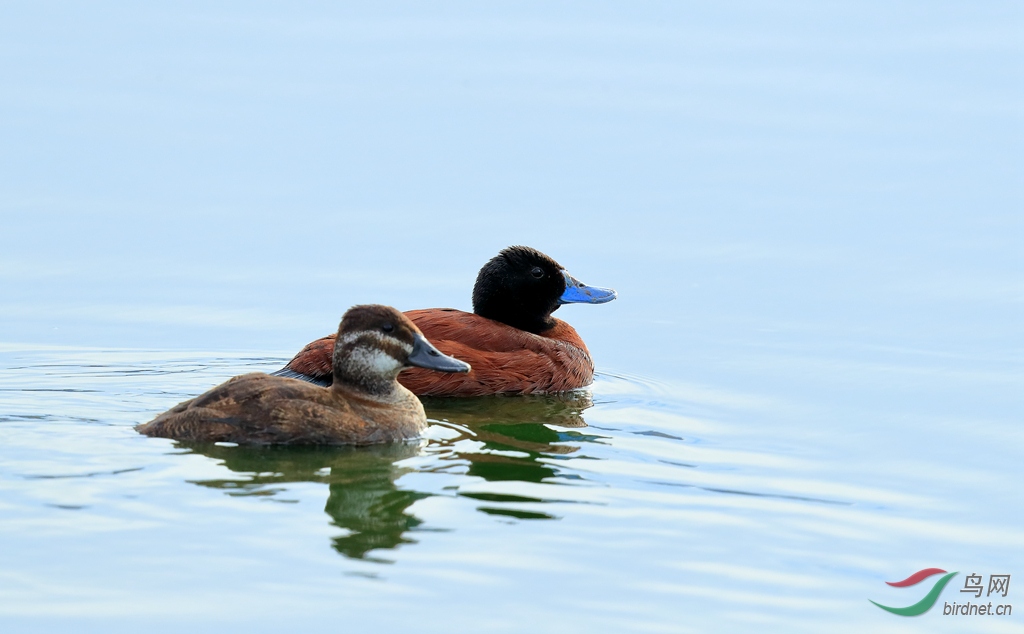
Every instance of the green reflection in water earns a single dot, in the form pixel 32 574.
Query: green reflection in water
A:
pixel 516 513
pixel 363 497
pixel 518 428
pixel 511 435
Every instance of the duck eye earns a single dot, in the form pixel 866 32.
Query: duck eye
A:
pixel 537 272
pixel 387 327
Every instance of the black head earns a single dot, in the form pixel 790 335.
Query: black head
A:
pixel 520 287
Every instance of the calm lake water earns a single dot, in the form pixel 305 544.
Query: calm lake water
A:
pixel 811 383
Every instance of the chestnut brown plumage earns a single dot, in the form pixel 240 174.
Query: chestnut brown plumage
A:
pixel 513 343
pixel 364 405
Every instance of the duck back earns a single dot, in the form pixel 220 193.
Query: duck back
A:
pixel 268 410
pixel 504 359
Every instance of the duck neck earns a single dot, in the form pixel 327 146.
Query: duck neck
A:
pixel 369 386
pixel 530 319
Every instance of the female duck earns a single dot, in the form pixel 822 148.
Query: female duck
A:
pixel 513 343
pixel 364 405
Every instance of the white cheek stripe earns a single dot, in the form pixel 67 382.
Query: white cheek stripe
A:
pixel 366 358
pixel 376 336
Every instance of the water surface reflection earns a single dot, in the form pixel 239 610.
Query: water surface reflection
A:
pixel 363 497
pixel 496 439
pixel 503 439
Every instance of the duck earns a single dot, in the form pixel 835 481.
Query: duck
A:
pixel 364 405
pixel 511 340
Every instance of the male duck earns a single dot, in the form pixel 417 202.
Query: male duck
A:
pixel 513 343
pixel 364 405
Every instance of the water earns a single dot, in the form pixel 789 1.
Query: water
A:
pixel 641 505
pixel 810 385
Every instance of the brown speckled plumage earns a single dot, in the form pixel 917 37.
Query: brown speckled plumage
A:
pixel 262 409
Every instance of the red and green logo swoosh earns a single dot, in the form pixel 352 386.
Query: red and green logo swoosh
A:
pixel 929 599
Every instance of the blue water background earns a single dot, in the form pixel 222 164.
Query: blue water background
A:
pixel 811 382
